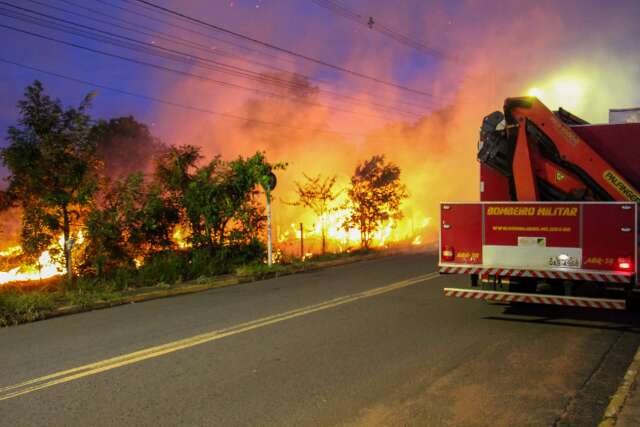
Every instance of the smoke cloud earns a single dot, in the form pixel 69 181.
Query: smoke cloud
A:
pixel 574 53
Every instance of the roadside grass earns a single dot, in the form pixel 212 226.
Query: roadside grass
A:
pixel 17 306
pixel 170 270
pixel 88 292
pixel 261 269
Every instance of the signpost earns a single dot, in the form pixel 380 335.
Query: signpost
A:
pixel 269 184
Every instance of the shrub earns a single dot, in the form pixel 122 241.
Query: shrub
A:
pixel 259 269
pixel 89 291
pixel 168 267
pixel 16 306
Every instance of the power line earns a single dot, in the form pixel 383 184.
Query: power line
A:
pixel 176 104
pixel 340 9
pixel 191 30
pixel 188 58
pixel 209 36
pixel 288 51
pixel 184 73
pixel 185 42
pixel 148 31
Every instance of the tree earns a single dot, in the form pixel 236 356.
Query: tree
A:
pixel 218 200
pixel 52 164
pixel 317 194
pixel 132 221
pixel 375 195
pixel 174 171
pixel 36 234
pixel 125 146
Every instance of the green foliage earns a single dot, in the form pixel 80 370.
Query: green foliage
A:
pixel 172 266
pixel 37 232
pixel 52 165
pixel 375 194
pixel 133 221
pixel 220 199
pixel 259 269
pixel 174 168
pixel 90 291
pixel 167 267
pixel 16 306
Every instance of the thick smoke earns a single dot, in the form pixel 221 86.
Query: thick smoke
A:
pixel 493 50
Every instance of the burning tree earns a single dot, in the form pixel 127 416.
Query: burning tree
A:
pixel 52 165
pixel 218 199
pixel 317 194
pixel 375 196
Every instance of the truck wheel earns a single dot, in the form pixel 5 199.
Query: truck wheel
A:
pixel 633 302
pixel 474 280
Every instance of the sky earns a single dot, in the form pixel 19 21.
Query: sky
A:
pixel 297 25
pixel 578 54
pixel 461 28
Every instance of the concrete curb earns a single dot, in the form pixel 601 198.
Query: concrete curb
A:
pixel 224 281
pixel 619 398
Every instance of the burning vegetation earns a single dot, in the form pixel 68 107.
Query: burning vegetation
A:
pixel 80 216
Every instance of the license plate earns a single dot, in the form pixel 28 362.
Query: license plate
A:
pixel 564 261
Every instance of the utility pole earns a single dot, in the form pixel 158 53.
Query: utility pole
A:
pixel 301 242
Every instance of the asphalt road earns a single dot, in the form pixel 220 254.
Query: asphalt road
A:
pixel 332 347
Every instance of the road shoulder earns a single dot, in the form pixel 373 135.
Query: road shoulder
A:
pixel 624 406
pixel 153 293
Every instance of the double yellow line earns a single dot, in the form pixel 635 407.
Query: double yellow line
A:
pixel 68 375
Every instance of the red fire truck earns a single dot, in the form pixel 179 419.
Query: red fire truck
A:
pixel 558 218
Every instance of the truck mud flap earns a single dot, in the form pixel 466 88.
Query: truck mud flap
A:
pixel 509 297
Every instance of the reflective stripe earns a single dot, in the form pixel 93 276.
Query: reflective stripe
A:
pixel 541 274
pixel 611 304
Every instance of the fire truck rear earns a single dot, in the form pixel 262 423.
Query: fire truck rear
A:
pixel 558 218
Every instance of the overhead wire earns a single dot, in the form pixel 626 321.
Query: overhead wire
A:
pixel 207 49
pixel 178 58
pixel 286 50
pixel 295 100
pixel 370 22
pixel 208 35
pixel 189 58
pixel 177 104
pixel 204 48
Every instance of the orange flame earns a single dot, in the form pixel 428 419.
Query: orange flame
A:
pixel 45 268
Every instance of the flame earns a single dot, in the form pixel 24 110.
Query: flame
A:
pixel 46 267
pixel 11 251
pixel 179 238
pixel 412 229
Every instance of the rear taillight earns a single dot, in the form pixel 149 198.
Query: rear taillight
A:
pixel 448 254
pixel 624 264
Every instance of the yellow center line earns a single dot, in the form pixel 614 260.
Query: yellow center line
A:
pixel 61 377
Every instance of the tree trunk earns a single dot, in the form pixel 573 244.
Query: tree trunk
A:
pixel 223 226
pixel 66 231
pixel 207 230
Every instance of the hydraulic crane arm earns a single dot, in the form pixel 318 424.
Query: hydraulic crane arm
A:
pixel 545 159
